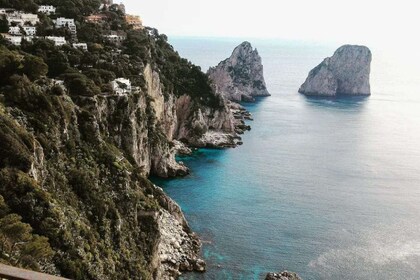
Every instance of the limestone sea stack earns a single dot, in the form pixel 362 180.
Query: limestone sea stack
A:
pixel 240 77
pixel 345 73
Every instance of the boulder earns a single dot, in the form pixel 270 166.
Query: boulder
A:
pixel 285 275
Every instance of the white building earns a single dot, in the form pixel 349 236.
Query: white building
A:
pixel 29 38
pixel 15 30
pixel 15 40
pixel 14 18
pixel 32 18
pixel 58 41
pixel 116 37
pixel 66 22
pixel 30 30
pixel 46 9
pixel 121 86
pixel 22 18
pixel 82 46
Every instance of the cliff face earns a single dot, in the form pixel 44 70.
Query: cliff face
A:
pixel 75 153
pixel 74 167
pixel 240 77
pixel 345 73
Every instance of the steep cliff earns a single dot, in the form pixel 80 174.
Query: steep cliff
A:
pixel 75 153
pixel 345 73
pixel 75 156
pixel 74 169
pixel 240 77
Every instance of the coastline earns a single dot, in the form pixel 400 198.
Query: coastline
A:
pixel 179 249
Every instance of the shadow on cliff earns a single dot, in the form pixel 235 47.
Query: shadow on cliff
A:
pixel 338 102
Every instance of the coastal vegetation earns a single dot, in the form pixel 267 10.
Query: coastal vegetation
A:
pixel 74 198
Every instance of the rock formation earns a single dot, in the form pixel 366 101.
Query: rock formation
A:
pixel 345 73
pixel 285 275
pixel 240 77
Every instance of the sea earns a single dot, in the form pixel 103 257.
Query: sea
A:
pixel 328 188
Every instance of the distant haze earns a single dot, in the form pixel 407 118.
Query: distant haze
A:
pixel 356 20
pixel 392 23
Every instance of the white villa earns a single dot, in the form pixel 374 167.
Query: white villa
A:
pixel 66 22
pixel 14 30
pixel 20 18
pixel 15 40
pixel 46 9
pixel 30 30
pixel 32 18
pixel 116 37
pixel 121 86
pixel 58 41
pixel 14 18
pixel 82 46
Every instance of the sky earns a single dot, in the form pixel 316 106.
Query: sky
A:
pixel 352 21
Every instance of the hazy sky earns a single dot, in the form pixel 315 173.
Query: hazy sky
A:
pixel 353 21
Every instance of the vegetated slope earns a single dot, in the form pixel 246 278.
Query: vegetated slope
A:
pixel 74 197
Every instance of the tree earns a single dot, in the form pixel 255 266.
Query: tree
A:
pixel 57 64
pixel 25 5
pixel 34 67
pixel 19 247
pixel 79 84
pixel 10 63
pixel 4 25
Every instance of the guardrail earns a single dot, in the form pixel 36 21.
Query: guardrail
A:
pixel 13 273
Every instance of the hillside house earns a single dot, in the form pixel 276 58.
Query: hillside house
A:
pixel 15 30
pixel 82 46
pixel 19 18
pixel 66 22
pixel 96 18
pixel 47 9
pixel 121 86
pixel 15 40
pixel 116 37
pixel 134 21
pixel 58 41
pixel 27 30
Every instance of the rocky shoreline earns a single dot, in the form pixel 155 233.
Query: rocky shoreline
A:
pixel 285 275
pixel 178 249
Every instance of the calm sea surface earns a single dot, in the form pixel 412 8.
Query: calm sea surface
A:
pixel 328 188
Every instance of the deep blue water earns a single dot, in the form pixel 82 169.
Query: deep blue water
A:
pixel 328 188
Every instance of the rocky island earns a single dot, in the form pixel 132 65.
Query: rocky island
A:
pixel 345 73
pixel 240 77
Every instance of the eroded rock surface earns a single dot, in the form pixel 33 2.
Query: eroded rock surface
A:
pixel 240 77
pixel 285 275
pixel 347 72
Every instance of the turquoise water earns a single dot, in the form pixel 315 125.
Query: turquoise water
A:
pixel 328 188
